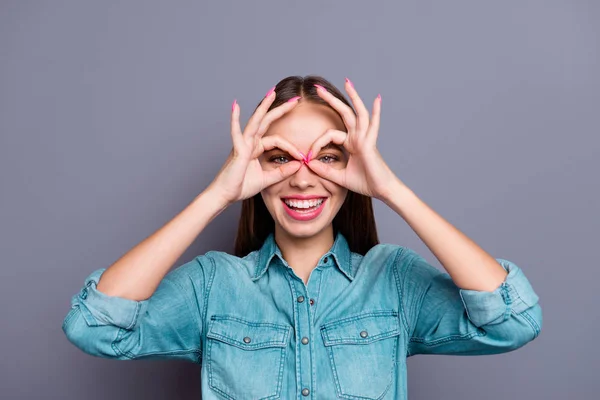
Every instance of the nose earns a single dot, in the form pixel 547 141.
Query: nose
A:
pixel 304 178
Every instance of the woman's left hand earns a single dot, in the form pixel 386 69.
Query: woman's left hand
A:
pixel 366 172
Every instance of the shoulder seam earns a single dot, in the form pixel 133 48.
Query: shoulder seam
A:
pixel 208 286
pixel 399 286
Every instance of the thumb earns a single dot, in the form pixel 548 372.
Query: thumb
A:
pixel 325 171
pixel 279 174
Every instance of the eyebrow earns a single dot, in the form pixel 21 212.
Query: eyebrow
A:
pixel 333 146
pixel 328 146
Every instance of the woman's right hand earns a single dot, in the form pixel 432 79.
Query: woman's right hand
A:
pixel 242 175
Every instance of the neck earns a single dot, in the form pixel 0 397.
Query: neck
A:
pixel 303 253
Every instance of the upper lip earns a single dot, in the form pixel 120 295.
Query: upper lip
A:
pixel 303 197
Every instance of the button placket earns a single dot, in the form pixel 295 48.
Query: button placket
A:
pixel 304 330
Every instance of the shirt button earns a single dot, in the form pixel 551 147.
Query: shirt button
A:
pixel 364 334
pixel 246 339
pixel 300 299
pixel 305 392
pixel 304 340
pixel 312 302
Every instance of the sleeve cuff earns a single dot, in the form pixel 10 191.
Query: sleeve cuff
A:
pixel 99 308
pixel 515 294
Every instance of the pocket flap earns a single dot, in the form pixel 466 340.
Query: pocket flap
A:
pixel 247 335
pixel 361 329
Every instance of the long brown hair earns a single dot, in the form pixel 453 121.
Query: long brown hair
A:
pixel 355 219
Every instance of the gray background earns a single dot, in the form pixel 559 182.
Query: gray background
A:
pixel 115 114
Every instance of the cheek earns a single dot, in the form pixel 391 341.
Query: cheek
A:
pixel 336 190
pixel 270 195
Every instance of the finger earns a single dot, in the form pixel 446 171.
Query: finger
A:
pixel 254 121
pixel 346 112
pixel 375 118
pixel 236 131
pixel 325 171
pixel 277 175
pixel 330 135
pixel 275 114
pixel 271 142
pixel 359 106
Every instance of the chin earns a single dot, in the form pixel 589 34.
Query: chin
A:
pixel 303 229
pixel 302 232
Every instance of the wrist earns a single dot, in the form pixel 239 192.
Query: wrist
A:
pixel 395 194
pixel 213 199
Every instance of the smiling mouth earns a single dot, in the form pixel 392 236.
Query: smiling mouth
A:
pixel 304 205
pixel 304 210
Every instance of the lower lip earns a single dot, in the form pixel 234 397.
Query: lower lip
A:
pixel 304 216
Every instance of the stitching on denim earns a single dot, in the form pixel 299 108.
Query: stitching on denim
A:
pixel 121 333
pixel 212 383
pixel 391 370
pixel 161 353
pixel 207 290
pixel 280 375
pixel 532 322
pixel 225 317
pixel 449 338
pixel 353 318
pixel 295 313
pixel 72 313
pixel 354 397
pixel 399 283
pixel 236 343
pixel 280 341
pixel 362 341
pixel 507 300
pixel 334 370
pixel 115 347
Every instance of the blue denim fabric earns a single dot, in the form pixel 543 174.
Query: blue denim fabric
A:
pixel 260 333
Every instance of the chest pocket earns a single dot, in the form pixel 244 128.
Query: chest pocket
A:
pixel 245 358
pixel 362 353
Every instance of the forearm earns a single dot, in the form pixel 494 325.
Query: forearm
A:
pixel 137 274
pixel 468 264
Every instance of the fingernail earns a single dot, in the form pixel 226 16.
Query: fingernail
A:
pixel 350 82
pixel 233 104
pixel 379 97
pixel 320 87
pixel 294 99
pixel 270 91
pixel 308 156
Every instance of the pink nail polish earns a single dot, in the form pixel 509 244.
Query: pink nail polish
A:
pixel 308 156
pixel 350 82
pixel 294 99
pixel 303 156
pixel 270 91
pixel 320 87
pixel 379 97
pixel 233 104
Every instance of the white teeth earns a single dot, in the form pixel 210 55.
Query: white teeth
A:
pixel 303 203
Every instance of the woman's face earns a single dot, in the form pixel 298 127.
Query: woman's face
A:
pixel 301 127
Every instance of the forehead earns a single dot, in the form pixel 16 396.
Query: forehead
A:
pixel 305 123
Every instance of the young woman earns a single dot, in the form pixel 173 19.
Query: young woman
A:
pixel 310 305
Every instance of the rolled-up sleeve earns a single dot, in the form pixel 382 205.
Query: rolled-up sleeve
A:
pixel 442 318
pixel 167 325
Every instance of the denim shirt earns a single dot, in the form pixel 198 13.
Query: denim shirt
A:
pixel 260 332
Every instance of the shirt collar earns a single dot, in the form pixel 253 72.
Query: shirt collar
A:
pixel 339 252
